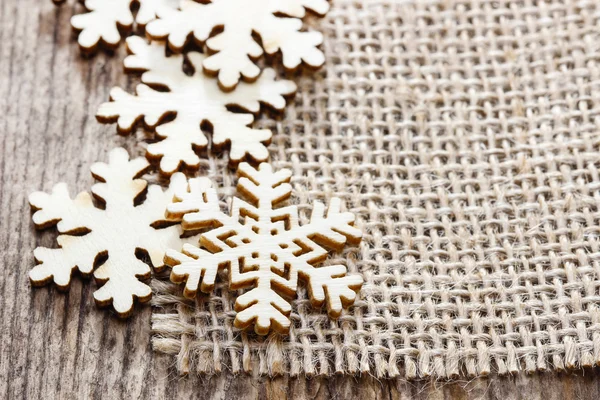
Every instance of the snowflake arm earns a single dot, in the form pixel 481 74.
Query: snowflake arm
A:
pixel 120 283
pixel 119 179
pixel 234 48
pixel 329 284
pixel 149 10
pixel 110 237
pixel 156 67
pixel 57 208
pixel 72 217
pixel 179 137
pixel 104 18
pixel 101 23
pixel 297 8
pixel 187 269
pixel 296 46
pixel 265 90
pixel 178 24
pixel 265 249
pixel 197 208
pixel 193 100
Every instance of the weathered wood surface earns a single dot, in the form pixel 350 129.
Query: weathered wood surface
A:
pixel 58 345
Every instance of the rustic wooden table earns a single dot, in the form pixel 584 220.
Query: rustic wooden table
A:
pixel 58 345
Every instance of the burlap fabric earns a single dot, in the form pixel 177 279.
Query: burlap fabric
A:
pixel 465 135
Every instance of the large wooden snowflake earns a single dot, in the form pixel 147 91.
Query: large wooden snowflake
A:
pixel 110 237
pixel 104 19
pixel 264 247
pixel 194 100
pixel 277 22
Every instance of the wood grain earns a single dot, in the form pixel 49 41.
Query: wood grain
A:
pixel 58 345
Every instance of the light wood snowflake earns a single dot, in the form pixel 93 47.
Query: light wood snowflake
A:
pixel 194 100
pixel 105 18
pixel 110 237
pixel 264 247
pixel 277 22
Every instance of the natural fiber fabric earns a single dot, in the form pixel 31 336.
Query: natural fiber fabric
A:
pixel 466 137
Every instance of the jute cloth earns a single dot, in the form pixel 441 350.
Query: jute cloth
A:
pixel 465 136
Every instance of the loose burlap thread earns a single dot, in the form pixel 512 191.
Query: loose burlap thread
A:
pixel 465 137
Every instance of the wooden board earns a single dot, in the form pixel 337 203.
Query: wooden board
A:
pixel 55 345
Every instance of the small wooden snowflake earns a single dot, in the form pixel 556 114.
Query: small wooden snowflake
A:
pixel 192 100
pixel 265 248
pixel 108 238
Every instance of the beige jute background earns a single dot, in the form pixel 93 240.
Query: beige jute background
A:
pixel 465 135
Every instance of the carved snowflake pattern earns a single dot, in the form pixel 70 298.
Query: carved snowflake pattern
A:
pixel 264 247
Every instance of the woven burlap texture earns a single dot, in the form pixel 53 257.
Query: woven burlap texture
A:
pixel 465 136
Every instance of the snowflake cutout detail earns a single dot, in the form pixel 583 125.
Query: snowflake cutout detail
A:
pixel 194 100
pixel 110 237
pixel 277 22
pixel 264 247
pixel 104 18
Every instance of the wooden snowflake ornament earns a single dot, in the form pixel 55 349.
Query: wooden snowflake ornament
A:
pixel 277 22
pixel 264 247
pixel 106 18
pixel 110 237
pixel 194 100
